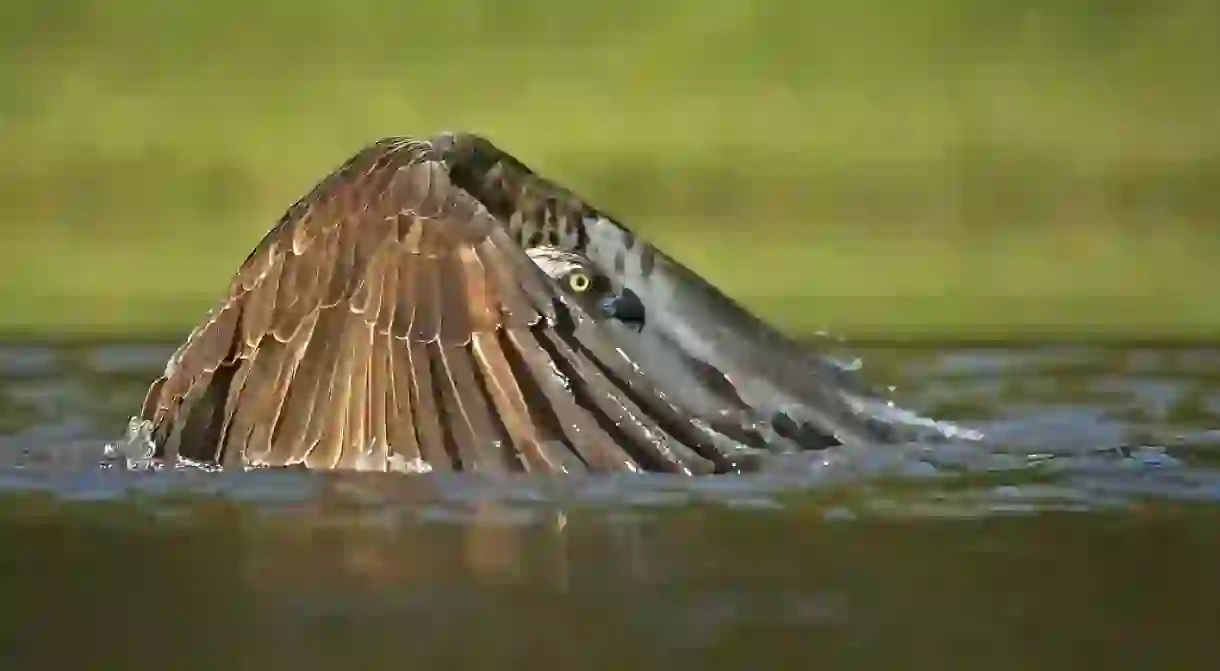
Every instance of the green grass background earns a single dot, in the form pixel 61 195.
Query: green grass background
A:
pixel 878 168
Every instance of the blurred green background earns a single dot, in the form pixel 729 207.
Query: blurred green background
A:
pixel 878 168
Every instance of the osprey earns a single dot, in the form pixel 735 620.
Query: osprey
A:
pixel 435 305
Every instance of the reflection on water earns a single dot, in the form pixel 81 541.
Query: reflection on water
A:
pixel 1082 530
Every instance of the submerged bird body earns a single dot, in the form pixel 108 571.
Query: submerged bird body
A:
pixel 434 305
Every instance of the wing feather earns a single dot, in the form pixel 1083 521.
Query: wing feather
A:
pixel 357 443
pixel 423 396
pixel 580 429
pixel 532 442
pixel 273 392
pixel 480 445
pixel 378 380
pixel 390 318
pixel 401 409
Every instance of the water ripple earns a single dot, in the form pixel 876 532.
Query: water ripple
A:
pixel 1051 429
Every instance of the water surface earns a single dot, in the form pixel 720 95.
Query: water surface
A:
pixel 1081 530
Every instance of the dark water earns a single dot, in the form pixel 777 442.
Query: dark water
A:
pixel 1083 530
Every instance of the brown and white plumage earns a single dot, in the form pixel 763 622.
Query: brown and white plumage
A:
pixel 394 320
pixel 389 320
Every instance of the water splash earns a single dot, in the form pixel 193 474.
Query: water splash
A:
pixel 889 412
pixel 136 448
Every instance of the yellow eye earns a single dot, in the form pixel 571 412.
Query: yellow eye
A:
pixel 579 282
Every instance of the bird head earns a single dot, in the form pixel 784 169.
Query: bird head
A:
pixel 586 284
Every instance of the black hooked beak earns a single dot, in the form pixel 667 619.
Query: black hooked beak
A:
pixel 625 307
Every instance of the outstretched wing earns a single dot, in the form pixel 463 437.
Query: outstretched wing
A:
pixel 389 320
pixel 717 361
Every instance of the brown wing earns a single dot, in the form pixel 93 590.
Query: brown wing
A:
pixel 389 321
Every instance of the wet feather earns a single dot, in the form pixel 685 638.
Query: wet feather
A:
pixel 391 316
